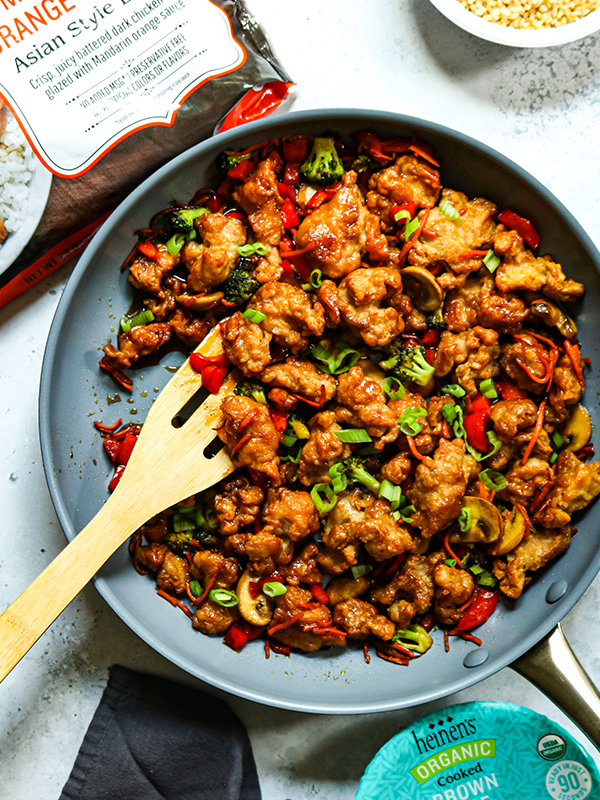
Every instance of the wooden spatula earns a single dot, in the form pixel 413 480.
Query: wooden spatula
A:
pixel 167 465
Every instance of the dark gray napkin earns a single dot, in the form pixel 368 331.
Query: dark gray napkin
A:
pixel 152 739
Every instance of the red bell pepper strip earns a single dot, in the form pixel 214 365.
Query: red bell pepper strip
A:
pixel 126 449
pixel 279 419
pixel 318 198
pixel 252 631
pixel 213 377
pixel 236 637
pixel 319 594
pixel 254 589
pixel 112 447
pixel 286 191
pixel 431 338
pixel 148 249
pixel 475 431
pixel 510 391
pixel 291 174
pixel 480 610
pixel 287 268
pixel 430 355
pixel 242 171
pixel 234 214
pixel 481 403
pixel 289 215
pixel 521 225
pixel 116 478
pixel 410 207
pixel 295 148
pixel 199 363
pixel 302 267
pixel 275 576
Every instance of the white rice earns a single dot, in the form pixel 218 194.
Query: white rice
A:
pixel 17 163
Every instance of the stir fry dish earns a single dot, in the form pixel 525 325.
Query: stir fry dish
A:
pixel 407 431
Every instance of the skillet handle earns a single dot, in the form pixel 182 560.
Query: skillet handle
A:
pixel 552 666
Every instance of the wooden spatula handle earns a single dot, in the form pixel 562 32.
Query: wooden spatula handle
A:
pixel 26 619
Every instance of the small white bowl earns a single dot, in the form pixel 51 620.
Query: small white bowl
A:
pixel 512 37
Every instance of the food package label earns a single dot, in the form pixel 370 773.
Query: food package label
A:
pixel 489 751
pixel 80 75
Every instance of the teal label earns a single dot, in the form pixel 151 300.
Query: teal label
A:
pixel 489 751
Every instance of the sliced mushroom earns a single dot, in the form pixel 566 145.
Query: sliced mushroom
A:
pixel 486 522
pixel 578 429
pixel 423 289
pixel 549 313
pixel 514 531
pixel 200 302
pixel 255 610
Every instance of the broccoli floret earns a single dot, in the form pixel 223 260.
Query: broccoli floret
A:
pixel 436 319
pixel 250 387
pixel 413 638
pixel 353 468
pixel 180 542
pixel 182 220
pixel 227 160
pixel 240 285
pixel 364 162
pixel 409 364
pixel 323 164
pixel 206 538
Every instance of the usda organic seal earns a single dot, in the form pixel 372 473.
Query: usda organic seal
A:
pixel 489 751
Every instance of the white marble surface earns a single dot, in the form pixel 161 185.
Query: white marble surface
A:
pixel 542 108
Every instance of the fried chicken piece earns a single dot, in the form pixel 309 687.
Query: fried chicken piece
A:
pixel 359 299
pixel 453 587
pixel 396 470
pixel 212 618
pixel 532 554
pixel 476 302
pixel 190 329
pixel 341 230
pixel 525 480
pixel 147 273
pixel 165 305
pixel 289 315
pixel 221 236
pixel 340 535
pixel 360 619
pixel 409 180
pixel 577 483
pixel 300 601
pixel 565 389
pixel 151 556
pixel 346 587
pixel 452 240
pixel 321 450
pixel 520 270
pixel 529 352
pixel 257 442
pixel 260 198
pixel 173 573
pixel 263 549
pixel 246 344
pixel 438 488
pixel 212 567
pixel 461 306
pixel 137 342
pixel 269 267
pixel 511 416
pixel 290 513
pixel 383 536
pixel 474 353
pixel 362 404
pixel 237 505
pixel 411 590
pixel 302 378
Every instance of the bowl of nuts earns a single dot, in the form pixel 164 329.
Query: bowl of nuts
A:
pixel 524 23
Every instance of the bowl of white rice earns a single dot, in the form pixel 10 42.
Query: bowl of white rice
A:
pixel 524 23
pixel 24 188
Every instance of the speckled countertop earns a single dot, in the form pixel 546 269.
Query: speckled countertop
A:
pixel 541 108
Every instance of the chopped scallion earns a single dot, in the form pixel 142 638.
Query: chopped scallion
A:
pixel 553 458
pixel 448 210
pixel 323 488
pixel 495 481
pixel 339 481
pixel 465 519
pixel 403 214
pixel 487 389
pixel 558 439
pixel 274 589
pixel 410 228
pixel 353 436
pixel 223 597
pixel 388 388
pixel 360 569
pixel 491 261
pixel 408 420
pixel 254 316
pixel 247 250
pixel 450 562
pixel 476 569
pixel 391 492
pixel 335 365
pixel 316 278
pixel 195 588
pixel 130 321
pixel 454 390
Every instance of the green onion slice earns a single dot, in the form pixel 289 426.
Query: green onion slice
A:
pixel 247 250
pixel 454 390
pixel 406 513
pixel 410 228
pixel 449 211
pixel 408 420
pixel 354 436
pixel 195 588
pixel 254 316
pixel 331 498
pixel 558 439
pixel 450 562
pixel 454 415
pixel 553 458
pixel 488 389
pixel 487 580
pixel 476 569
pixel 388 388
pixel 335 365
pixel 491 261
pixel 184 519
pixel 391 492
pixel 130 321
pixel 402 215
pixel 316 278
pixel 274 589
pixel 360 569
pixel 223 597
pixel 495 481
pixel 464 519
pixel 175 243
pixel 339 481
